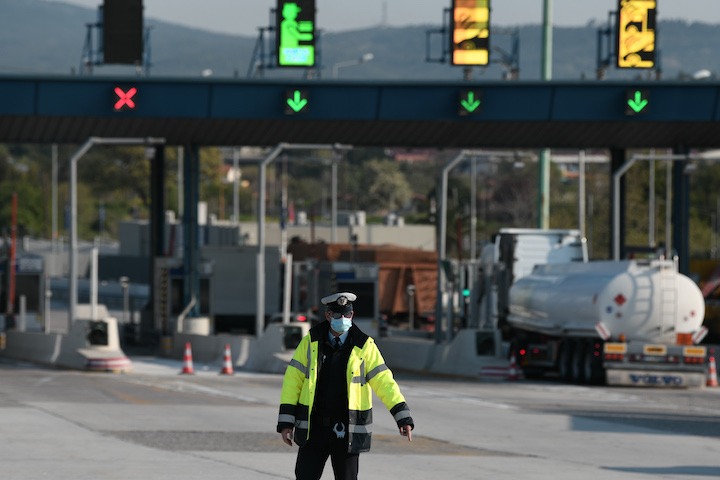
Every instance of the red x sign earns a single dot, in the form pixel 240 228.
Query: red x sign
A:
pixel 125 98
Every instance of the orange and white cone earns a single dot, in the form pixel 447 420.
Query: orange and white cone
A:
pixel 514 372
pixel 712 379
pixel 227 368
pixel 187 361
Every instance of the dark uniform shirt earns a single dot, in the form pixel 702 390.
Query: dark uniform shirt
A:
pixel 331 397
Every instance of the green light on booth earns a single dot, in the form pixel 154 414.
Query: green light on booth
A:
pixel 466 292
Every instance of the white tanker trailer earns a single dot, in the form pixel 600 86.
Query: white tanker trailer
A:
pixel 623 322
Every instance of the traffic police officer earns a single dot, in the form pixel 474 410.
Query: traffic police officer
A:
pixel 326 397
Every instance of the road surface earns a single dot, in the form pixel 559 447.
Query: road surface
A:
pixel 157 424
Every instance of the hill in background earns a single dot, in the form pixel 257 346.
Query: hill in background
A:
pixel 39 37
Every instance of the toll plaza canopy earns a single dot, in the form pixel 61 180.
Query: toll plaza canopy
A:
pixel 583 114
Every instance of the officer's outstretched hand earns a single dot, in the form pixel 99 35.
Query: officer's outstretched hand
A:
pixel 406 431
pixel 287 435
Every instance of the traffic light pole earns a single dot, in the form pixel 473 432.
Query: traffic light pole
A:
pixel 440 304
pixel 260 265
pixel 89 143
pixel 676 159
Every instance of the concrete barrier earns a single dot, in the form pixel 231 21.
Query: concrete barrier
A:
pixel 459 357
pixel 89 345
pixel 268 354
pixel 407 353
pixel 33 347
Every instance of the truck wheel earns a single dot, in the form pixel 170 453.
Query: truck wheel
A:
pixel 565 362
pixel 588 365
pixel 578 359
pixel 594 371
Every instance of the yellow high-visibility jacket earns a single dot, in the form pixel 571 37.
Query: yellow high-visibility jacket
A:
pixel 366 369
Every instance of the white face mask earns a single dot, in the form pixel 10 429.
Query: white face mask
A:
pixel 341 325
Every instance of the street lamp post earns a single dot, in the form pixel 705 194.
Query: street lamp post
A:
pixel 364 58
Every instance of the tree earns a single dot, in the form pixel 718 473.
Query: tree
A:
pixel 705 210
pixel 22 177
pixel 386 189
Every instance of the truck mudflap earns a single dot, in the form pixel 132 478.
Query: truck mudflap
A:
pixel 648 378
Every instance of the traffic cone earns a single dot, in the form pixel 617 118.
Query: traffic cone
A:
pixel 514 372
pixel 712 379
pixel 187 361
pixel 227 362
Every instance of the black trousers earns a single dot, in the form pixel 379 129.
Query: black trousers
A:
pixel 313 456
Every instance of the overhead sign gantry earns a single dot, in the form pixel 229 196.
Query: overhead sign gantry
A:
pixel 460 114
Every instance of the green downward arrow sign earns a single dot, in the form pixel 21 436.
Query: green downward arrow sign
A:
pixel 469 102
pixel 637 103
pixel 297 102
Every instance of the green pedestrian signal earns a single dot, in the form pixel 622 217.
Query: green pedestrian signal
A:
pixel 636 102
pixel 296 101
pixel 295 33
pixel 470 102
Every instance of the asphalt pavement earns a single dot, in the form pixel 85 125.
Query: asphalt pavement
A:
pixel 156 423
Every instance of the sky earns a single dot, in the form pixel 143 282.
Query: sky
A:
pixel 243 17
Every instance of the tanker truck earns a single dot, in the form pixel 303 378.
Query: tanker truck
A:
pixel 630 322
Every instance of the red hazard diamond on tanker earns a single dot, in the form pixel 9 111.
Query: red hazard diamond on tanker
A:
pixel 620 299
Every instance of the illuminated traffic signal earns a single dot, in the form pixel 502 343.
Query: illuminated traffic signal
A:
pixel 296 101
pixel 470 32
pixel 637 102
pixel 124 98
pixel 295 33
pixel 470 102
pixel 636 33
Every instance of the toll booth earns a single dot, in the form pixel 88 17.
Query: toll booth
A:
pixel 169 284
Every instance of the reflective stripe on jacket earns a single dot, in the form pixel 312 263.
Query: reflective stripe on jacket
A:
pixel 366 370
